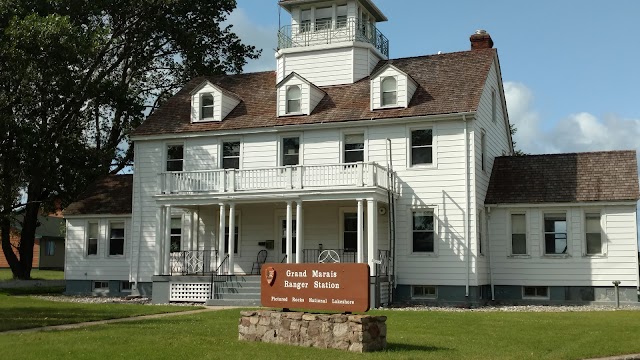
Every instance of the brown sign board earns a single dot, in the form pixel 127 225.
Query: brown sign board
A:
pixel 338 287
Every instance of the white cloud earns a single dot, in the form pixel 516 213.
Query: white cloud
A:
pixel 262 37
pixel 523 116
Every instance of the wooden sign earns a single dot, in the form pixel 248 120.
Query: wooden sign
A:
pixel 339 287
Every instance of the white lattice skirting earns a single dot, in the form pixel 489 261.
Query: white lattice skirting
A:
pixel 191 292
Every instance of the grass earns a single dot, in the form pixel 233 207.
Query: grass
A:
pixel 5 274
pixel 23 312
pixel 411 335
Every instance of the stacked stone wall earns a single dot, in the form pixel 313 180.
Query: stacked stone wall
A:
pixel 357 333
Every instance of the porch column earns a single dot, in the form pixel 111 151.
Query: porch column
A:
pixel 299 232
pixel 360 245
pixel 372 228
pixel 167 240
pixel 232 235
pixel 223 216
pixel 289 235
pixel 160 241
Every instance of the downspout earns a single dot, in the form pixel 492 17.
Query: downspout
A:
pixel 493 290
pixel 391 222
pixel 133 196
pixel 467 204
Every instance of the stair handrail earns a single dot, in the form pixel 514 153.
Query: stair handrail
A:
pixel 215 275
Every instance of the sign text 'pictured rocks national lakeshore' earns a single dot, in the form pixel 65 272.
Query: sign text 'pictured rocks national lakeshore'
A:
pixel 335 287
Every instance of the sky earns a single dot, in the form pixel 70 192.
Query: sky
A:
pixel 570 68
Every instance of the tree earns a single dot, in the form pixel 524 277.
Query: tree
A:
pixel 516 152
pixel 77 77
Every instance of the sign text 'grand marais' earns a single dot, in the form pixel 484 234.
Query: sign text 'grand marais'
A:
pixel 337 287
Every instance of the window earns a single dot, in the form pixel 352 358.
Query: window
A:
pixel 206 106
pixel 423 232
pixel 293 99
pixel 424 292
pixel 231 155
pixel 483 148
pixel 125 286
pixel 555 234
pixel 92 239
pixel 341 18
pixel 537 292
pixel 353 148
pixel 421 147
pixel 480 232
pixel 116 239
pixel 389 91
pixel 493 106
pixel 283 248
pixel 350 232
pixel 176 235
pixel 305 20
pixel 175 157
pixel 290 151
pixel 100 285
pixel 236 236
pixel 323 18
pixel 49 248
pixel 518 234
pixel 593 234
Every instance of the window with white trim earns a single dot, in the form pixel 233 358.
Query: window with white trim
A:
pixel 421 147
pixel 92 238
pixel 389 91
pixel 535 292
pixel 324 17
pixel 206 106
pixel 231 155
pixel 116 239
pixel 353 148
pixel 424 292
pixel 290 151
pixel 341 16
pixel 294 96
pixel 305 20
pixel 423 231
pixel 175 157
pixel 283 231
pixel 555 234
pixel 593 234
pixel 518 234
pixel 176 235
pixel 350 232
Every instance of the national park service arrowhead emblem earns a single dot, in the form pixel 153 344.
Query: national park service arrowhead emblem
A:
pixel 270 275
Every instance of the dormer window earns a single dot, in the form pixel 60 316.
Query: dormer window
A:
pixel 389 91
pixel 294 96
pixel 206 106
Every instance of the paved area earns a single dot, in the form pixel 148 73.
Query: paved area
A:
pixel 110 321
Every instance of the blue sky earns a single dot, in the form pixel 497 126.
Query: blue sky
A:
pixel 570 67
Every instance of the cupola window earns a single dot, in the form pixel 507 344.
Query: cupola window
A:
pixel 293 99
pixel 341 18
pixel 305 20
pixel 323 18
pixel 389 91
pixel 206 106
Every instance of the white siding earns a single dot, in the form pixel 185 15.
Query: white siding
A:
pixel 259 151
pixel 316 97
pixel 619 263
pixel 321 147
pixel 322 67
pixel 228 104
pixel 360 63
pixel 201 154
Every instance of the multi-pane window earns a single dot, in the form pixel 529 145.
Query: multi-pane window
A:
pixel 555 234
pixel 305 20
pixel 100 285
pixel 290 151
pixel 126 286
pixel 294 94
pixel 175 157
pixel 116 239
pixel 518 234
pixel 389 88
pixel 350 232
pixel 206 106
pixel 92 239
pixel 176 234
pixel 341 18
pixel 231 155
pixel 283 227
pixel 49 248
pixel 323 18
pixel 423 231
pixel 535 292
pixel 421 147
pixel 593 234
pixel 353 148
pixel 424 292
pixel 235 237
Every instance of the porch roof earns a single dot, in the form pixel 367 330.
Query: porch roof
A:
pixel 109 195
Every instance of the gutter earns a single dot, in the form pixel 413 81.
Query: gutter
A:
pixel 467 205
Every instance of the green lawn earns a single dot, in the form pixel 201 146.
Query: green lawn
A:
pixel 411 335
pixel 5 274
pixel 22 312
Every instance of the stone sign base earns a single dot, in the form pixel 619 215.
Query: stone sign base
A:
pixel 357 333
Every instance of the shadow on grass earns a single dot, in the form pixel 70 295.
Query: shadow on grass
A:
pixel 45 290
pixel 411 347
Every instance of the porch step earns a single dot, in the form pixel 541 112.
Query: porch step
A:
pixel 241 290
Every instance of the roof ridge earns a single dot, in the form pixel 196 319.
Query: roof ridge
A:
pixel 571 153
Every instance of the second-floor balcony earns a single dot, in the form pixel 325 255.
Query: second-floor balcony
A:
pixel 329 32
pixel 354 175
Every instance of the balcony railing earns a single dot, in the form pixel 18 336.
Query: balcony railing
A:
pixel 326 32
pixel 277 178
pixel 350 256
pixel 193 262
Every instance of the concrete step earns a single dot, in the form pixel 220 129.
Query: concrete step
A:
pixel 245 296
pixel 233 302
pixel 237 290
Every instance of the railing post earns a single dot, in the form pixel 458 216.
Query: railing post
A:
pixel 360 180
pixel 300 175
pixel 222 179
pixel 289 176
pixel 372 174
pixel 232 181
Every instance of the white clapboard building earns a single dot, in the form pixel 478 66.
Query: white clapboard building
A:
pixel 343 153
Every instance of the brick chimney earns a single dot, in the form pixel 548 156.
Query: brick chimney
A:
pixel 481 40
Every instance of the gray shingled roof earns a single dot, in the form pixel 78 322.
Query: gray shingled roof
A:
pixel 564 178
pixel 109 195
pixel 447 83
